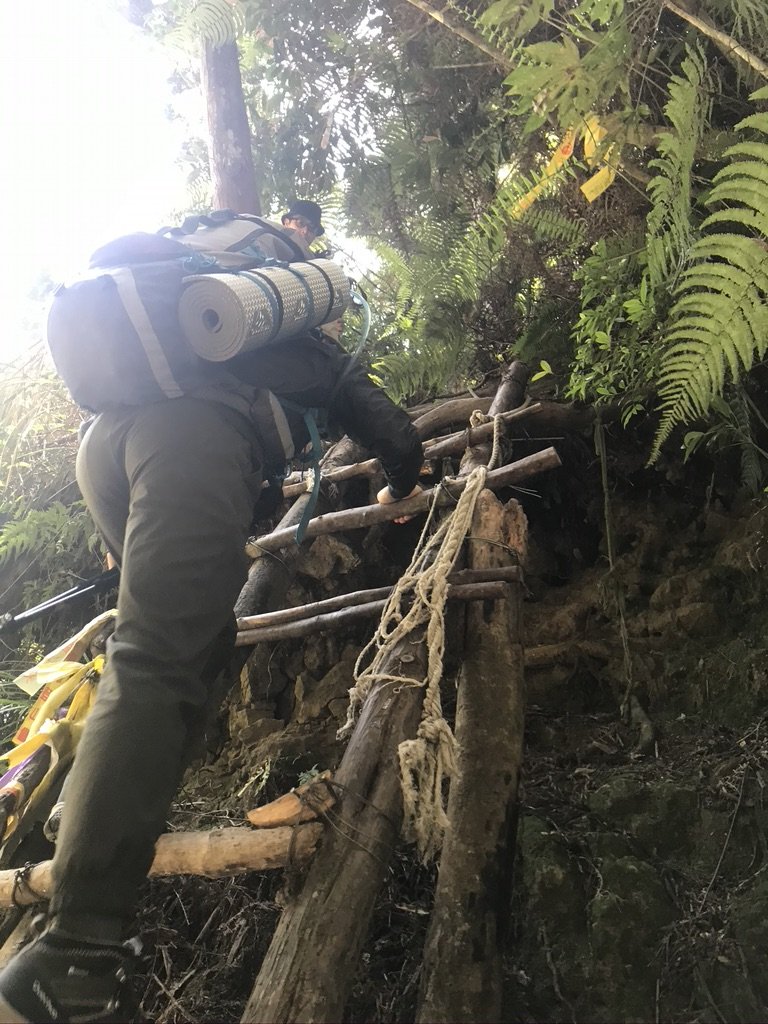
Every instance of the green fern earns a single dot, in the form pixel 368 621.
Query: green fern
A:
pixel 216 22
pixel 474 258
pixel 669 226
pixel 720 319
pixel 551 225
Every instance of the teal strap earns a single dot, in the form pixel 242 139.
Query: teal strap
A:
pixel 315 454
pixel 365 326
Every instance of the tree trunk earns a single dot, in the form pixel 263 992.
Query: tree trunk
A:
pixel 313 957
pixel 511 395
pixel 462 978
pixel 229 135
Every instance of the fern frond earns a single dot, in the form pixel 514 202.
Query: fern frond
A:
pixel 215 22
pixel 752 470
pixel 550 224
pixel 669 229
pixel 475 256
pixel 720 320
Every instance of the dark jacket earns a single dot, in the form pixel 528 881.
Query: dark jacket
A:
pixel 314 372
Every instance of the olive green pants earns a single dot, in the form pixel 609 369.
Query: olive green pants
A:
pixel 171 487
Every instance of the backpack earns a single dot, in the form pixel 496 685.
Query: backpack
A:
pixel 115 334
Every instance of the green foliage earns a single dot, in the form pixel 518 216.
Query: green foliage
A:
pixel 670 227
pixel 613 354
pixel 215 22
pixel 420 372
pixel 720 319
pixel 583 70
pixel 38 435
pixel 733 427
pixel 548 223
pixel 46 536
pixel 50 533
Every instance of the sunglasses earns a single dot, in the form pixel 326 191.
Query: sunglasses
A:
pixel 302 223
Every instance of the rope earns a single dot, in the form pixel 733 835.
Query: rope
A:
pixel 476 418
pixel 418 600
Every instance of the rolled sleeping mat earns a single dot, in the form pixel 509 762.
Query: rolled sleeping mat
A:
pixel 223 315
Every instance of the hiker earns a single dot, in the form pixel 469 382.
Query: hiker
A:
pixel 171 486
pixel 305 218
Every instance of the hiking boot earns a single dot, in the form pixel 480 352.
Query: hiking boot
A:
pixel 61 978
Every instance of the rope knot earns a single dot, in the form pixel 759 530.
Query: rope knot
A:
pixel 418 603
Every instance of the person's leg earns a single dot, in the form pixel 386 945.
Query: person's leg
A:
pixel 189 465
pixel 189 469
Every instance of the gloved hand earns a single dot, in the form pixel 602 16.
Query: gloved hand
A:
pixel 385 497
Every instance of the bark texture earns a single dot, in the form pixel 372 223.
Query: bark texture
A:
pixel 215 853
pixel 229 147
pixel 445 494
pixel 462 978
pixel 312 960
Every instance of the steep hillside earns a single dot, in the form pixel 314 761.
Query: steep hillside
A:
pixel 640 888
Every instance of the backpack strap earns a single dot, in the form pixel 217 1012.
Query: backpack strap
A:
pixel 311 417
pixel 211 220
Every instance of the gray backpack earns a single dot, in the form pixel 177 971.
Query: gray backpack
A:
pixel 115 334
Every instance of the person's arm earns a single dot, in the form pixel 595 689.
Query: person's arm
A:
pixel 369 416
pixel 311 371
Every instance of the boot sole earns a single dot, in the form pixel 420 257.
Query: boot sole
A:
pixel 10 1016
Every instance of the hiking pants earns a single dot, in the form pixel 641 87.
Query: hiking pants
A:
pixel 171 487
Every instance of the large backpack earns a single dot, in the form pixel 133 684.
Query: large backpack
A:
pixel 115 334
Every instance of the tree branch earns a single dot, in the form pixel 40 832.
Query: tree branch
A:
pixel 474 38
pixel 722 39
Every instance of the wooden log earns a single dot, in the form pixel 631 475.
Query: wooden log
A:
pixel 16 938
pixel 453 443
pixel 455 410
pixel 567 653
pixel 356 597
pixel 485 390
pixel 462 974
pixel 304 803
pixel 511 395
pixel 541 419
pixel 269 577
pixel 371 467
pixel 216 854
pixel 444 494
pixel 311 963
pixel 343 617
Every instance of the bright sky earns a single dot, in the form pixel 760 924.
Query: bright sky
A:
pixel 86 149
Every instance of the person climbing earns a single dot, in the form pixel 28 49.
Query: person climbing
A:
pixel 171 486
pixel 305 218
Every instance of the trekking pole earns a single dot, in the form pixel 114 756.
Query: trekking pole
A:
pixel 100 584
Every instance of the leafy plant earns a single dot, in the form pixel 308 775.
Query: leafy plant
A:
pixel 733 425
pixel 720 318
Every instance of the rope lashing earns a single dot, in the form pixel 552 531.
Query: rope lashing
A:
pixel 477 418
pixel 418 600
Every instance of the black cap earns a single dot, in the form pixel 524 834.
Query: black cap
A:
pixel 309 211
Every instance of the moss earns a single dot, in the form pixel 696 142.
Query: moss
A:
pixel 628 918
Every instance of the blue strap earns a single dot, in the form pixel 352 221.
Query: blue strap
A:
pixel 315 454
pixel 314 420
pixel 199 263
